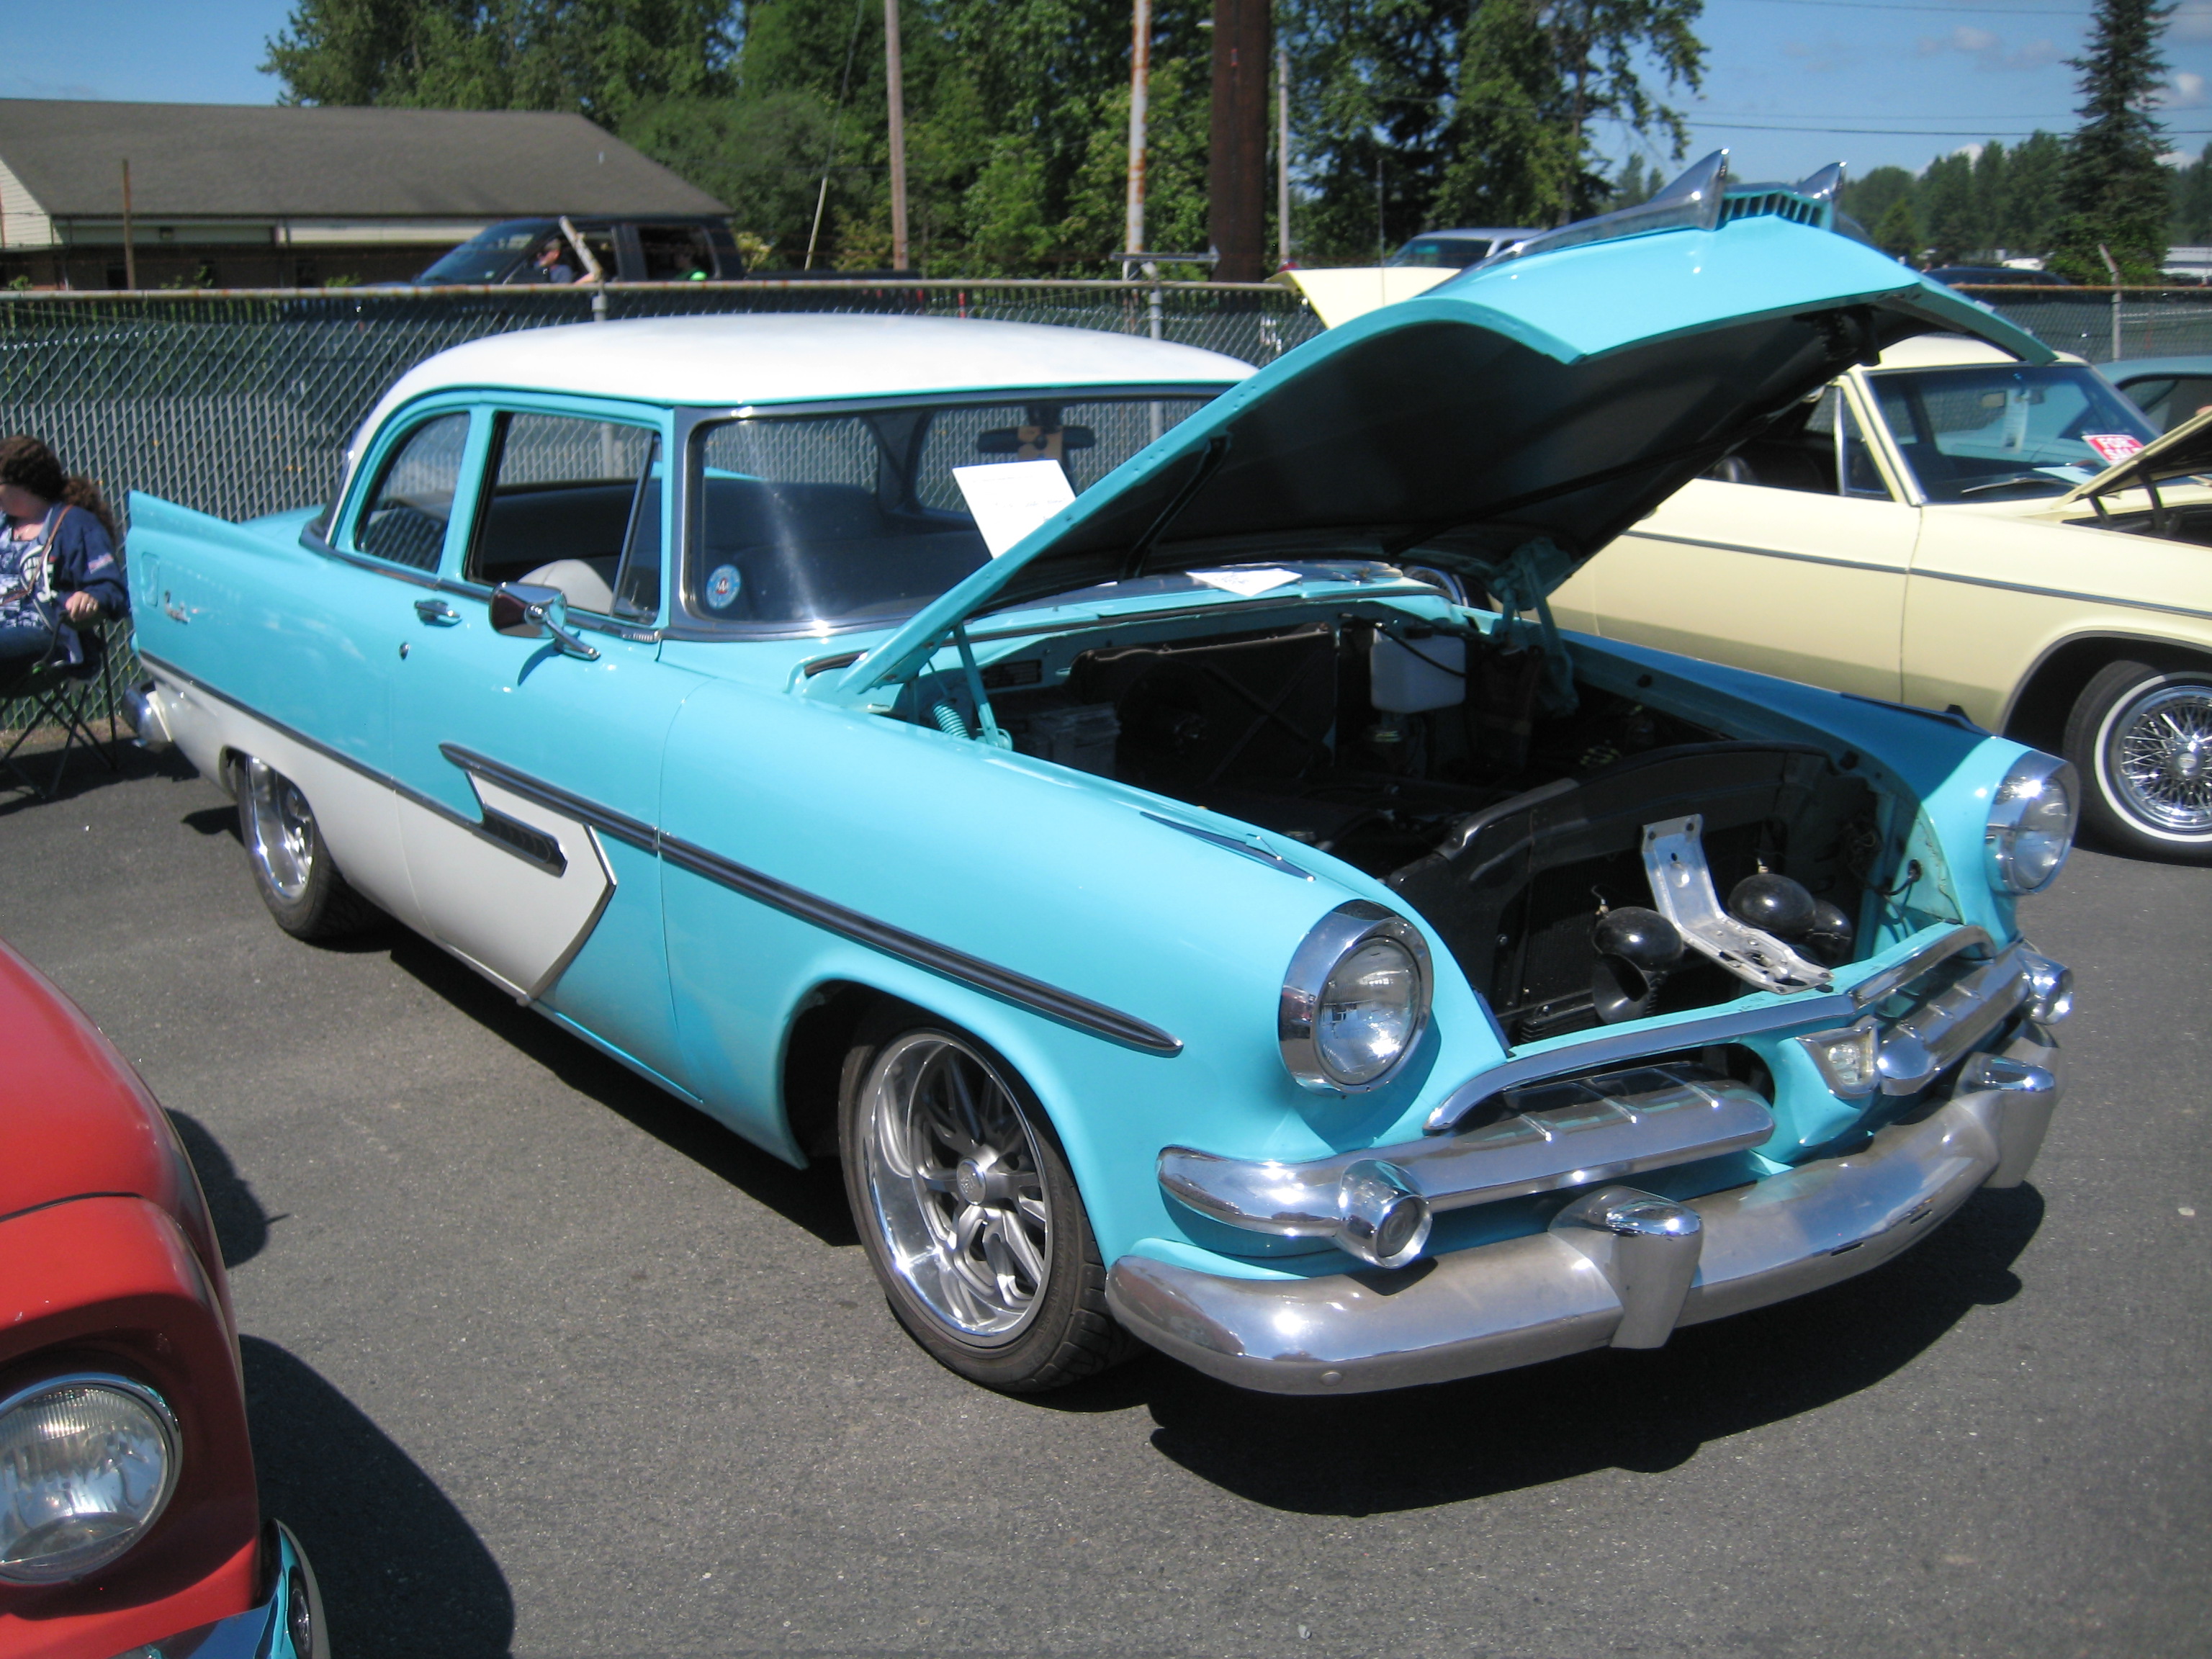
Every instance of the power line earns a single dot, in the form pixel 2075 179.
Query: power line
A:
pixel 1914 132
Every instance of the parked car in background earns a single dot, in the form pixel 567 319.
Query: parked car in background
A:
pixel 129 1522
pixel 1181 918
pixel 2171 391
pixel 1341 292
pixel 1456 250
pixel 1953 527
pixel 1997 276
pixel 654 250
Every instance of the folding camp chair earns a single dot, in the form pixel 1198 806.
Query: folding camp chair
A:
pixel 65 694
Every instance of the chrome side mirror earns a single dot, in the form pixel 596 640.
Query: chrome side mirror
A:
pixel 528 611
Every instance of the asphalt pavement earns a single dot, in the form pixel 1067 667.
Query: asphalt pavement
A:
pixel 541 1361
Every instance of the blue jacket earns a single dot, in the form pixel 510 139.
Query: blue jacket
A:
pixel 83 556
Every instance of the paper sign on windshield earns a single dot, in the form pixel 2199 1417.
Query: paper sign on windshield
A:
pixel 2114 446
pixel 1009 499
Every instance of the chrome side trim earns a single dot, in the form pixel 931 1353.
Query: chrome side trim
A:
pixel 414 797
pixel 2065 593
pixel 1574 1287
pixel 604 819
pixel 1230 843
pixel 1568 1134
pixel 1049 1000
pixel 1897 570
pixel 1587 1052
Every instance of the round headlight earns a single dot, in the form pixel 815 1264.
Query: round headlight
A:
pixel 1354 999
pixel 2031 827
pixel 87 1464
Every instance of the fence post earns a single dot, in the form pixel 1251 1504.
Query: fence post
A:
pixel 2105 254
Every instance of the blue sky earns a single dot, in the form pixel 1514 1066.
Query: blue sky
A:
pixel 1911 80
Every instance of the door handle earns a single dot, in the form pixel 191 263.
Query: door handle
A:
pixel 436 612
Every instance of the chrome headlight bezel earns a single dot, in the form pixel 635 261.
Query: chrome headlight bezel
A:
pixel 2029 783
pixel 83 1561
pixel 1336 937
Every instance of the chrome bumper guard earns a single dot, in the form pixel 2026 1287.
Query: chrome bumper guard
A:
pixel 1616 1267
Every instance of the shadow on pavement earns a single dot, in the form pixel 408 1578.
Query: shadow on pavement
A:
pixel 403 1574
pixel 813 1199
pixel 85 774
pixel 242 1225
pixel 1649 1412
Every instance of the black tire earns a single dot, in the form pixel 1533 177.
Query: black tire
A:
pixel 907 1069
pixel 2141 737
pixel 292 865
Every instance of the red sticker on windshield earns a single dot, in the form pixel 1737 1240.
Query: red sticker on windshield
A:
pixel 2114 446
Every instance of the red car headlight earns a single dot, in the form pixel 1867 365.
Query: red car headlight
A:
pixel 88 1463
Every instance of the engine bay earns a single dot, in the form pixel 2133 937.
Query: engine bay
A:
pixel 1508 808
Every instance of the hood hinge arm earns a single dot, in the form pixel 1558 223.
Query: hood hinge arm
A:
pixel 987 724
pixel 1217 451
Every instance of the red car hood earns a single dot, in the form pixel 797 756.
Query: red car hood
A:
pixel 74 1118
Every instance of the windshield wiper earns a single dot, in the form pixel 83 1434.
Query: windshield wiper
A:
pixel 2009 479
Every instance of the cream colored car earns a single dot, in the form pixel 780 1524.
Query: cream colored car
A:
pixel 1954 529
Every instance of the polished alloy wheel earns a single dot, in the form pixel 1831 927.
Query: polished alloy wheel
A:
pixel 280 835
pixel 2156 755
pixel 954 1187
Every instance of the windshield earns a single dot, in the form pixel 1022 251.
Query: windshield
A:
pixel 816 522
pixel 2006 430
pixel 490 254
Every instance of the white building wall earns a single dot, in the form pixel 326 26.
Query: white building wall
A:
pixel 23 222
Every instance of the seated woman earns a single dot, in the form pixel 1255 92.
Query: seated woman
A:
pixel 59 565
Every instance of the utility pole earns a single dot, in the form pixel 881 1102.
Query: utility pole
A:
pixel 1236 169
pixel 129 247
pixel 894 86
pixel 1140 75
pixel 1282 158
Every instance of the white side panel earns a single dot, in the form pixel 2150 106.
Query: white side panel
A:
pixel 516 921
pixel 356 814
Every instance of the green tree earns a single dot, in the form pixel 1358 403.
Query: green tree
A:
pixel 1992 195
pixel 1944 204
pixel 2190 220
pixel 2032 175
pixel 603 58
pixel 2114 190
pixel 1868 200
pixel 1897 231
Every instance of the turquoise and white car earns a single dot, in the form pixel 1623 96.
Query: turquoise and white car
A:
pixel 1187 880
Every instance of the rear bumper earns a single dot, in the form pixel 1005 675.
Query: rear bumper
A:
pixel 1617 1267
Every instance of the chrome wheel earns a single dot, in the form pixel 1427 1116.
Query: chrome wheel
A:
pixel 280 829
pixel 2155 757
pixel 954 1187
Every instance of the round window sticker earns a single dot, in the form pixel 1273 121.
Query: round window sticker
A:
pixel 722 587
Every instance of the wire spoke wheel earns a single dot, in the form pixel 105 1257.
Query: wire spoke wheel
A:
pixel 280 830
pixel 954 1186
pixel 2157 754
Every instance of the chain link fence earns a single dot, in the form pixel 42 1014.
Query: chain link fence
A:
pixel 2104 324
pixel 240 403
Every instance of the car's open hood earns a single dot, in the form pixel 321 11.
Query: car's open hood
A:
pixel 2183 452
pixel 1509 422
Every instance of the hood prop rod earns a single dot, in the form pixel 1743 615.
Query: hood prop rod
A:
pixel 1217 451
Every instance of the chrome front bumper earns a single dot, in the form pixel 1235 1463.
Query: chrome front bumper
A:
pixel 1616 1267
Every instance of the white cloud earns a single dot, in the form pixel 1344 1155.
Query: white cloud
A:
pixel 1987 49
pixel 2185 89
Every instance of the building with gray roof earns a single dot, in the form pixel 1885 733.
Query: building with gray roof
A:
pixel 266 195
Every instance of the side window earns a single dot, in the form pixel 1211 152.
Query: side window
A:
pixel 675 254
pixel 413 502
pixel 574 504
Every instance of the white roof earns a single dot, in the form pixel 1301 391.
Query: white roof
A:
pixel 1943 351
pixel 773 358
